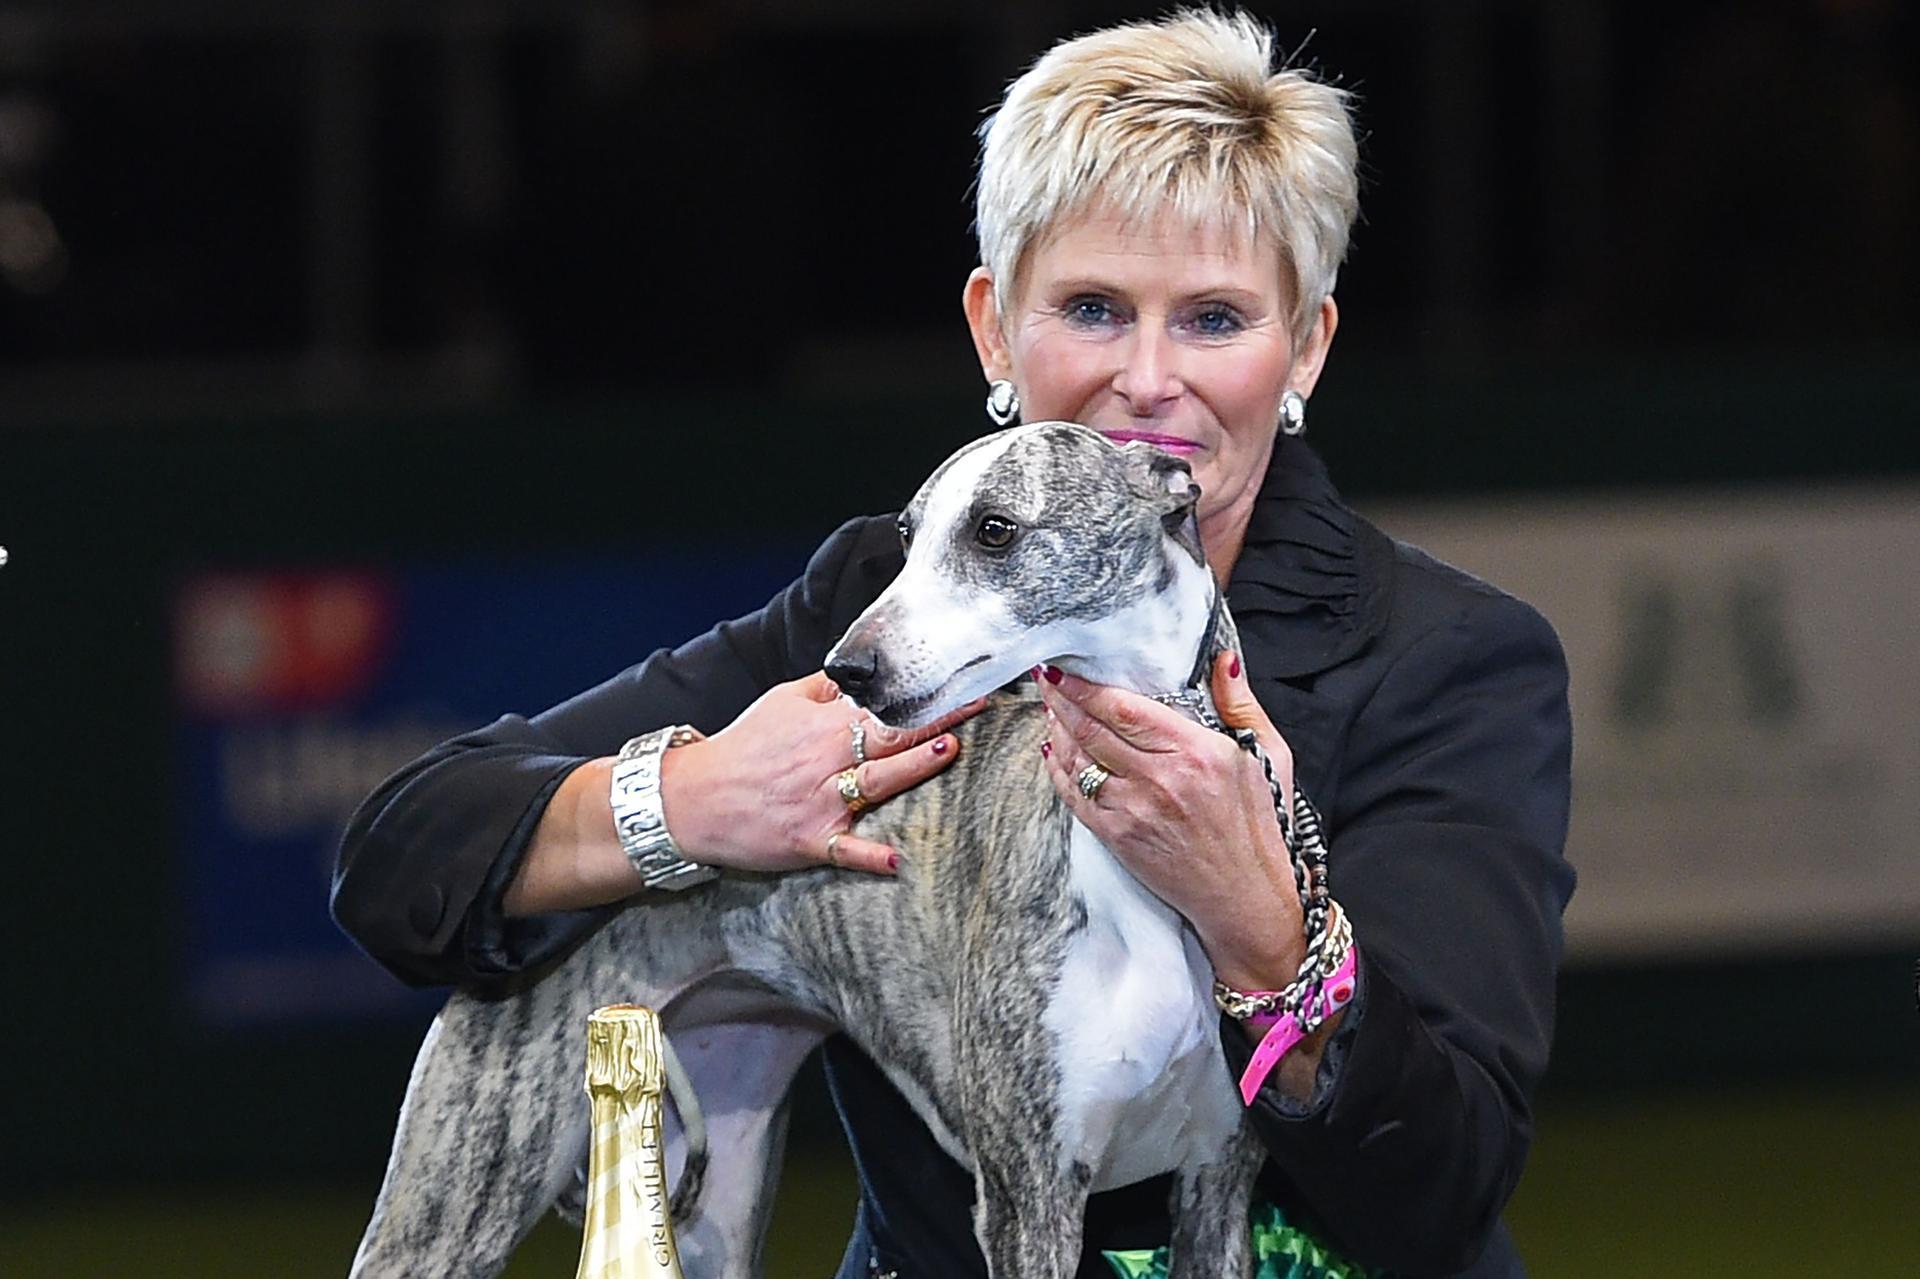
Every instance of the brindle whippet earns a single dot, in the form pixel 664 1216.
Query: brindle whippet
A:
pixel 1048 1018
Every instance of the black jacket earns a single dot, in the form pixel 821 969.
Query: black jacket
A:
pixel 1428 718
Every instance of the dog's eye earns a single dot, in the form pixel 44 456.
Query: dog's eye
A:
pixel 906 532
pixel 996 532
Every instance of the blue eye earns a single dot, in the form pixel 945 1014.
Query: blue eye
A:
pixel 1089 311
pixel 1218 321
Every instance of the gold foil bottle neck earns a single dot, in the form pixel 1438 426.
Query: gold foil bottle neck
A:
pixel 629 1226
pixel 623 1050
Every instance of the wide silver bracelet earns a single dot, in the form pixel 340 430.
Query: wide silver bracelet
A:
pixel 639 817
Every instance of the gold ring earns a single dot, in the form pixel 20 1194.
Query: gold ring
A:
pixel 1092 778
pixel 833 851
pixel 850 791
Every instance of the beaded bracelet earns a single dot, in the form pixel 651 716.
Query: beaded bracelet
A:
pixel 1260 1009
pixel 1289 1029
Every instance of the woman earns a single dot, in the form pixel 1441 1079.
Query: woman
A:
pixel 1161 218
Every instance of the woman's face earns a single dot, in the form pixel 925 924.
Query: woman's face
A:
pixel 1161 333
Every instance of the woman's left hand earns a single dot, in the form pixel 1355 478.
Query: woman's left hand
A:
pixel 1188 812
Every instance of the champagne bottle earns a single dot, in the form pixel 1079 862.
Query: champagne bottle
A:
pixel 629 1231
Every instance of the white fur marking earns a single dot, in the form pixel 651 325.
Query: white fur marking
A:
pixel 1144 1084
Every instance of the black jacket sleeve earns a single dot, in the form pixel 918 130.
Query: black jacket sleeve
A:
pixel 1446 852
pixel 426 857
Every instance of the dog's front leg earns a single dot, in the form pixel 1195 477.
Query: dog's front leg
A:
pixel 1030 1188
pixel 1209 1209
pixel 1028 1212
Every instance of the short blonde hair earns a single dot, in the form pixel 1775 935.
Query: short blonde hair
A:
pixel 1182 116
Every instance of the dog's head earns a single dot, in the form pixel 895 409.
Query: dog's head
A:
pixel 1041 543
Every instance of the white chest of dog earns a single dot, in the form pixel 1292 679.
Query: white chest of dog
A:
pixel 1047 1016
pixel 1139 1036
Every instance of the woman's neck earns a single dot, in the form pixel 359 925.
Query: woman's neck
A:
pixel 1224 532
pixel 1222 535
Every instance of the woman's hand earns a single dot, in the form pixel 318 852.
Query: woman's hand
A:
pixel 1188 812
pixel 764 794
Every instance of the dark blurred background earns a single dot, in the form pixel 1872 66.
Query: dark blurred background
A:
pixel 369 370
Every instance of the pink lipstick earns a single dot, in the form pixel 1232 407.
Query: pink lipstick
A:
pixel 1171 443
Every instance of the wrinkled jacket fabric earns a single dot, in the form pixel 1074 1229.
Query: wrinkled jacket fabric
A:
pixel 1427 713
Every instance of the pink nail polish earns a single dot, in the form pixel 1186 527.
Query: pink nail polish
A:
pixel 939 745
pixel 1046 750
pixel 1053 674
pixel 1233 671
pixel 893 862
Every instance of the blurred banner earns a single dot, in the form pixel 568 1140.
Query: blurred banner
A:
pixel 1746 714
pixel 298 691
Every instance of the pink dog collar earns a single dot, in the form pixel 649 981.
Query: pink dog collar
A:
pixel 1285 1030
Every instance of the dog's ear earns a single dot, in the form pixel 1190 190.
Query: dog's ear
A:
pixel 1168 482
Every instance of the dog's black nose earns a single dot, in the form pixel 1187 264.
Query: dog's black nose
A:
pixel 855 671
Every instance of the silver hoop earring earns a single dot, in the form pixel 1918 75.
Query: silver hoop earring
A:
pixel 1003 402
pixel 1293 413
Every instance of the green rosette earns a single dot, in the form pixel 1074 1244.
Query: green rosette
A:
pixel 1281 1250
